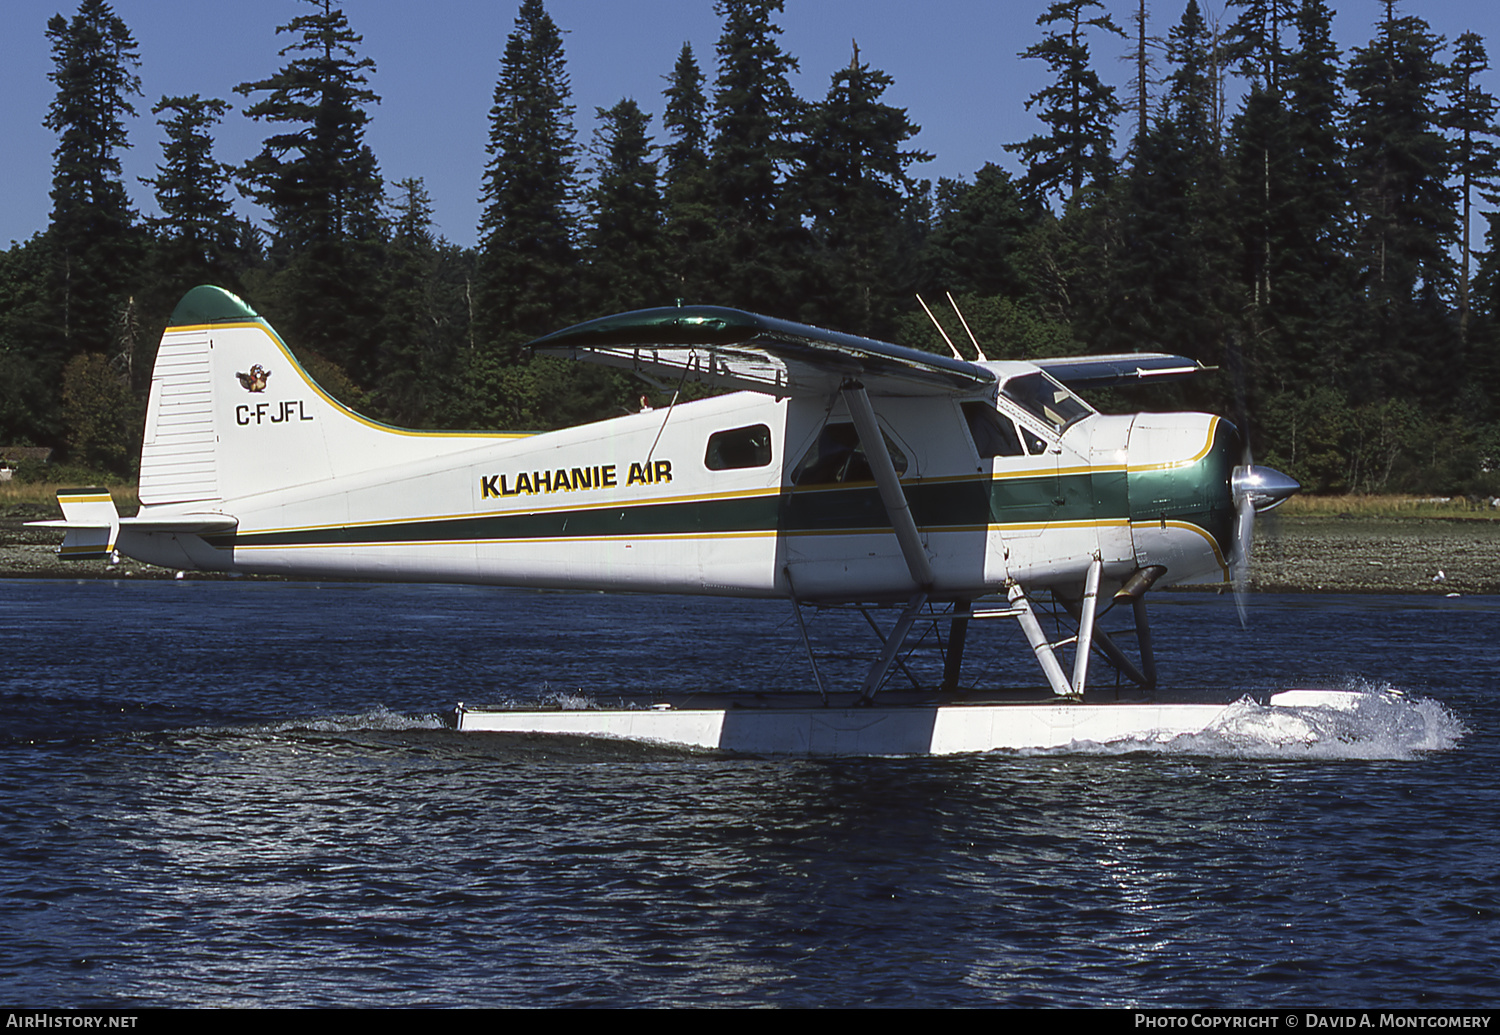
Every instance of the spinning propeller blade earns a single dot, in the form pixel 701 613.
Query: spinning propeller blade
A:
pixel 1255 489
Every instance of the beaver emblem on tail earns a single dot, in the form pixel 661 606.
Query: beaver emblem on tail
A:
pixel 255 381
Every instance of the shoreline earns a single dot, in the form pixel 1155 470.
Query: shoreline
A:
pixel 1293 554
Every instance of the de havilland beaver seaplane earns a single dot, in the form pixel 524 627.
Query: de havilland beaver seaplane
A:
pixel 837 471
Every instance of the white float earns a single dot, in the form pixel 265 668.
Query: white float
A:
pixel 893 729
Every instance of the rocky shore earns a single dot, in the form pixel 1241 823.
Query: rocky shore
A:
pixel 1293 554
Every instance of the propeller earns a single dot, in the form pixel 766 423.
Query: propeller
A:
pixel 1255 489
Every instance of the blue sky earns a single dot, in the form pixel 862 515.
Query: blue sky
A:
pixel 954 62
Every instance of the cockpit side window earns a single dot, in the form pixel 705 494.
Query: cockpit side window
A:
pixel 738 448
pixel 993 434
pixel 1046 400
pixel 838 457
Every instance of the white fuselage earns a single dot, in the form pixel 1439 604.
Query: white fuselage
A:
pixel 651 501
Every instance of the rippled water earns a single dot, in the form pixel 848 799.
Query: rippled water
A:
pixel 234 794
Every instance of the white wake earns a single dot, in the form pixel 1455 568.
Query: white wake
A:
pixel 1356 722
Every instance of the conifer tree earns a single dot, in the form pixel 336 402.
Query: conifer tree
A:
pixel 197 228
pixel 976 243
pixel 1310 299
pixel 1141 59
pixel 626 246
pixel 528 266
pixel 1174 269
pixel 528 259
pixel 1401 166
pixel 1255 41
pixel 853 184
pixel 686 121
pixel 1400 161
pixel 402 382
pixel 1470 118
pixel 91 238
pixel 318 178
pixel 322 187
pixel 689 194
pixel 425 282
pixel 1078 109
pixel 1261 140
pixel 756 121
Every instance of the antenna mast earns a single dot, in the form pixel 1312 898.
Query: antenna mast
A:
pixel 953 348
pixel 982 357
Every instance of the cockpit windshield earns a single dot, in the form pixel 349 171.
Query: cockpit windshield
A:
pixel 1046 400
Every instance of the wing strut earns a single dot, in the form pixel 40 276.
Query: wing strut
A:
pixel 897 509
pixel 889 484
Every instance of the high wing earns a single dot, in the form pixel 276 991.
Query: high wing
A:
pixel 1084 372
pixel 740 350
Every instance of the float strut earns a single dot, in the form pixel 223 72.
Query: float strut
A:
pixel 1107 646
pixel 1038 640
pixel 1143 637
pixel 959 629
pixel 1086 626
pixel 893 644
pixel 806 643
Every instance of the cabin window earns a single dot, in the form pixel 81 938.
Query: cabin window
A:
pixel 838 457
pixel 993 434
pixel 739 448
pixel 1045 399
pixel 1035 444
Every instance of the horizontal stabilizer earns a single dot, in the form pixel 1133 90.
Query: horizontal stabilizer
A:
pixel 740 350
pixel 1083 372
pixel 91 521
pixel 92 524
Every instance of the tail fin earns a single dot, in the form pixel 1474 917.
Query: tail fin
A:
pixel 233 414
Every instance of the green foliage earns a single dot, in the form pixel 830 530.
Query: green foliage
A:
pixel 424 325
pixel 1470 117
pixel 322 186
pixel 538 394
pixel 1005 329
pixel 689 195
pixel 1401 165
pixel 976 244
pixel 101 417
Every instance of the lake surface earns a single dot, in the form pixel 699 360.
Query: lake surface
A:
pixel 245 794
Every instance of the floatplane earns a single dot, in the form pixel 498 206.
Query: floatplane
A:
pixel 837 471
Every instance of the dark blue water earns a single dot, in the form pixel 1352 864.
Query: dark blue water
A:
pixel 241 794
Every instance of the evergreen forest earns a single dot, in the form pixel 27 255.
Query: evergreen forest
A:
pixel 1310 239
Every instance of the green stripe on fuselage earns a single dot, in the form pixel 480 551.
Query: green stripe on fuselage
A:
pixel 1185 494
